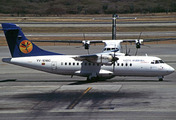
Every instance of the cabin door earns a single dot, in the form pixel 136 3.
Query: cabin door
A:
pixel 54 66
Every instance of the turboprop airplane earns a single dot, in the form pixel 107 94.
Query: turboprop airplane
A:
pixel 95 66
pixel 109 44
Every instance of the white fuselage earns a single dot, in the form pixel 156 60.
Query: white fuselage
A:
pixel 66 65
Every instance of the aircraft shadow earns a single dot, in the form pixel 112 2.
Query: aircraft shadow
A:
pixel 8 80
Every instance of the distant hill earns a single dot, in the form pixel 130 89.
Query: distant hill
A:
pixel 60 7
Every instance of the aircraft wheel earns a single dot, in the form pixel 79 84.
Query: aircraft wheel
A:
pixel 161 78
pixel 93 79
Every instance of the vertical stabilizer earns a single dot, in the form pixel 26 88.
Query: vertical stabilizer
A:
pixel 19 45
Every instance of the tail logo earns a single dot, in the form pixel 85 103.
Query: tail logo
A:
pixel 26 46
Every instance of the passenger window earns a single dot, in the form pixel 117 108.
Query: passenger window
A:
pixel 122 64
pixel 152 62
pixel 61 63
pixel 126 64
pixel 65 63
pixel 117 64
pixel 77 63
pixel 89 64
pixel 97 64
pixel 73 63
pixel 130 64
pixel 85 64
pixel 69 63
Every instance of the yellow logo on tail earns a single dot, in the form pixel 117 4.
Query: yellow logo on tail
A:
pixel 26 46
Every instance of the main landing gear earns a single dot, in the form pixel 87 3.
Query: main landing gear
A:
pixel 92 79
pixel 160 78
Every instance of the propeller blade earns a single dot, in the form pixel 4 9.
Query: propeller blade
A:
pixel 79 46
pixel 140 36
pixel 127 53
pixel 146 45
pixel 113 66
pixel 88 51
pixel 136 52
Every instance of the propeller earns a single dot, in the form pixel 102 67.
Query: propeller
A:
pixel 114 58
pixel 86 44
pixel 139 43
pixel 84 36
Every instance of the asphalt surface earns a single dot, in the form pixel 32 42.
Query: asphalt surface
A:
pixel 27 94
pixel 96 24
pixel 98 34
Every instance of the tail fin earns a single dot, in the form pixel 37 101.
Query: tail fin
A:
pixel 19 45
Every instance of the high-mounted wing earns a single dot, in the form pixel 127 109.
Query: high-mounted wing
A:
pixel 109 44
pixel 86 43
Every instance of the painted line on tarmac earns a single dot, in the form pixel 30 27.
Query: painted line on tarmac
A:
pixel 77 100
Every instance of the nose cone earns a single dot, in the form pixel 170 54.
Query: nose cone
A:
pixel 170 69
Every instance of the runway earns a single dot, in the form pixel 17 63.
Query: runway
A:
pixel 96 24
pixel 102 34
pixel 27 94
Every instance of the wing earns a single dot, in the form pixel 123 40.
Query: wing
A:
pixel 103 41
pixel 86 43
pixel 109 44
pixel 100 58
pixel 90 58
pixel 70 41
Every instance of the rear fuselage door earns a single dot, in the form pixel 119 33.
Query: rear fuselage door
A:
pixel 54 66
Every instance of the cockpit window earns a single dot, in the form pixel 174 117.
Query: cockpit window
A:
pixel 108 49
pixel 161 61
pixel 157 62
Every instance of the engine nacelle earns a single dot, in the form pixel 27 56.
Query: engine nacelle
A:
pixel 138 43
pixel 86 44
pixel 106 59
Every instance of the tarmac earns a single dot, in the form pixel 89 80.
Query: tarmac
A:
pixel 100 34
pixel 94 23
pixel 27 94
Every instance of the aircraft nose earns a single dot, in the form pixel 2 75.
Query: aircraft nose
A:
pixel 170 69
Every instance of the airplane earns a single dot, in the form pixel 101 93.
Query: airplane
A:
pixel 104 65
pixel 111 44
